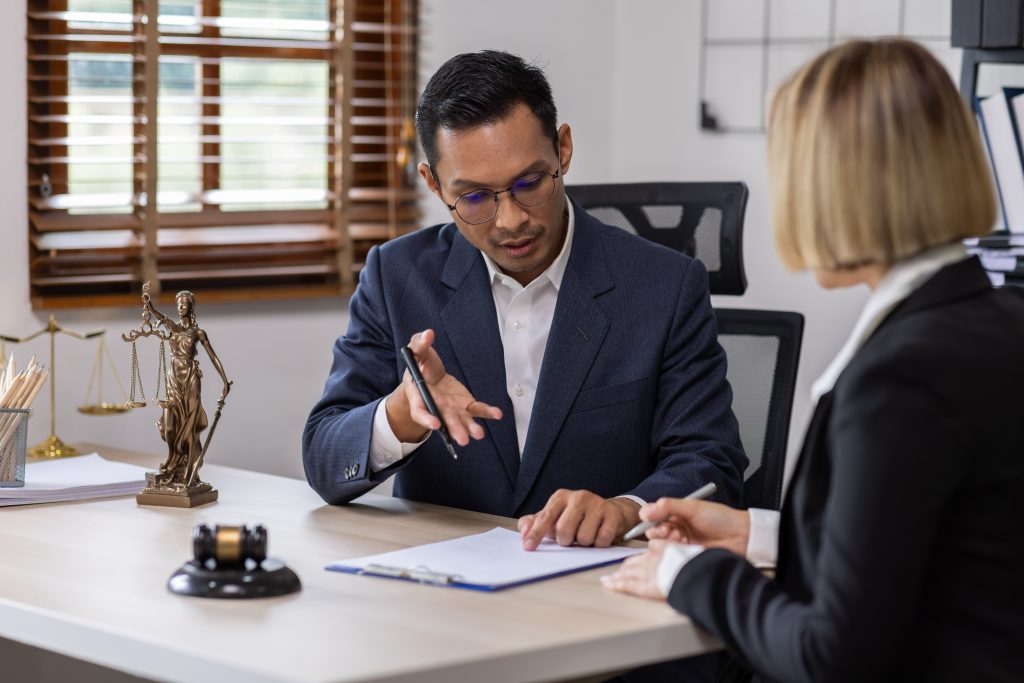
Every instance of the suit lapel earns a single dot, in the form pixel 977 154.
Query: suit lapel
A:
pixel 471 327
pixel 577 332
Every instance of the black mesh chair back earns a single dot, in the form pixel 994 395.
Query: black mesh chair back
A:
pixel 703 220
pixel 763 351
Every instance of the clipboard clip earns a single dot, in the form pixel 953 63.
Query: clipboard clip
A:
pixel 420 574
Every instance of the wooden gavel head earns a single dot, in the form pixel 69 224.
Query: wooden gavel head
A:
pixel 229 546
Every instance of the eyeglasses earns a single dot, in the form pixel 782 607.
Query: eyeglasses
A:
pixel 480 206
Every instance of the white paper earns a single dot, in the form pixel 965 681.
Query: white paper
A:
pixel 1006 264
pixel 78 478
pixel 494 558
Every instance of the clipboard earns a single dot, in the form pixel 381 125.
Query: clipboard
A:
pixel 488 562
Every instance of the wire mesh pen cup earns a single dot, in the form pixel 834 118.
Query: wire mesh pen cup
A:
pixel 13 441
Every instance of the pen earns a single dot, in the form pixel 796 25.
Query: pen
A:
pixel 421 384
pixel 641 528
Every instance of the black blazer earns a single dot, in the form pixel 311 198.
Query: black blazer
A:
pixel 901 550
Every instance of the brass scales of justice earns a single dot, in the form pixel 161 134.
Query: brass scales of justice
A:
pixel 183 418
pixel 53 446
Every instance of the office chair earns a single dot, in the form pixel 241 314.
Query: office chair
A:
pixel 705 220
pixel 763 349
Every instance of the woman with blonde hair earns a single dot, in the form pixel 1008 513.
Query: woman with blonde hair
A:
pixel 899 548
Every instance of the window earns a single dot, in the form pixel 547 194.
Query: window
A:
pixel 241 148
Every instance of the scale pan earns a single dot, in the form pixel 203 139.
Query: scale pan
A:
pixel 103 408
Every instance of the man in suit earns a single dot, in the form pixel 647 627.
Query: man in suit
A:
pixel 591 354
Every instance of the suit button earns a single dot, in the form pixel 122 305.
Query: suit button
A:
pixel 355 469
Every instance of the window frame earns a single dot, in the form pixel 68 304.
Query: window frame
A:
pixel 298 252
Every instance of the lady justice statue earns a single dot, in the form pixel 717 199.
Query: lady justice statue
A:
pixel 183 418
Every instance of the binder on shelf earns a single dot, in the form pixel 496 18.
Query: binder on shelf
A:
pixel 1001 23
pixel 966 29
pixel 1000 240
pixel 1015 100
pixel 491 561
pixel 997 117
pixel 998 263
pixel 1000 224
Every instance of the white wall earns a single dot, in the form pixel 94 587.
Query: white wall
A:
pixel 625 76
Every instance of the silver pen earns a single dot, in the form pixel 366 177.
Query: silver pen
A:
pixel 641 528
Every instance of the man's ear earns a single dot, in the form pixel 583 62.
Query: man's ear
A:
pixel 429 179
pixel 564 147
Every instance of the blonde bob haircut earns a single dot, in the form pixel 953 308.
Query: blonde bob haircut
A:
pixel 873 157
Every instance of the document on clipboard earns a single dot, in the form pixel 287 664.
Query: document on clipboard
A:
pixel 491 561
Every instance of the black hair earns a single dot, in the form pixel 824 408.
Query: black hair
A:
pixel 479 88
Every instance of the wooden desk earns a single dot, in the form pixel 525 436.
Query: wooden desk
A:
pixel 88 580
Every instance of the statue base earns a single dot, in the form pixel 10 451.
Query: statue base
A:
pixel 174 495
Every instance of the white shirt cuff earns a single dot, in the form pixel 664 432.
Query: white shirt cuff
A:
pixel 639 501
pixel 385 448
pixel 675 558
pixel 763 543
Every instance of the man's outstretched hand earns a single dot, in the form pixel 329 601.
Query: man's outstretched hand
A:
pixel 408 415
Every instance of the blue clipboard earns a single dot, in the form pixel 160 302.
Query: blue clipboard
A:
pixel 487 562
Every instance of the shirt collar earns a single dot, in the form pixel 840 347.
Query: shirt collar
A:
pixel 552 273
pixel 896 285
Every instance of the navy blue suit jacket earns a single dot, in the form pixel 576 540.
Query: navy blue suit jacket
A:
pixel 631 399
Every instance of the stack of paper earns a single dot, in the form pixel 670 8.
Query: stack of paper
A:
pixel 81 478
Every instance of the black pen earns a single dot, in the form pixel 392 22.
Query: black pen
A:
pixel 421 384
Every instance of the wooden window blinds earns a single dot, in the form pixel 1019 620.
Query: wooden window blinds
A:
pixel 247 149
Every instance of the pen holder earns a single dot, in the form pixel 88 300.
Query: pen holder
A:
pixel 13 440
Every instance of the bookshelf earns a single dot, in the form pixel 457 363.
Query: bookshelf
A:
pixel 973 58
pixel 1001 251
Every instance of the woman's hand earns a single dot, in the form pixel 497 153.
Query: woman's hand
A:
pixel 638 575
pixel 701 522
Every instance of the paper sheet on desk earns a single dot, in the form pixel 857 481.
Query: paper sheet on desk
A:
pixel 78 478
pixel 489 561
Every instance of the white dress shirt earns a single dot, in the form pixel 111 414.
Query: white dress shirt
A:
pixel 896 285
pixel 524 322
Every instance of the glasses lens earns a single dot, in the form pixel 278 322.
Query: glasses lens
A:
pixel 533 189
pixel 478 206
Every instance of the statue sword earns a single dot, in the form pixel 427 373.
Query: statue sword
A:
pixel 209 435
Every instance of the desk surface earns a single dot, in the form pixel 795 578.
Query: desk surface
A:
pixel 88 580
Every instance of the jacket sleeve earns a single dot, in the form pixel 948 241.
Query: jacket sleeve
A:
pixel 694 435
pixel 336 439
pixel 896 457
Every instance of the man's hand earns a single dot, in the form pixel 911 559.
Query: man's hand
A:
pixel 579 517
pixel 701 522
pixel 408 415
pixel 638 575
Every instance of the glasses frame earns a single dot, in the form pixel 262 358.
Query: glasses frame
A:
pixel 497 193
